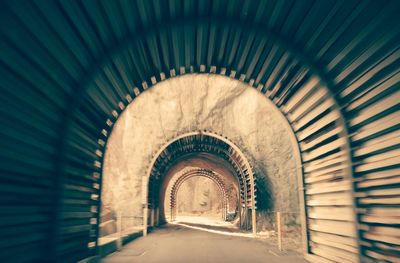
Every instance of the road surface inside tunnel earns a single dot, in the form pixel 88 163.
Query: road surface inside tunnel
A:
pixel 176 244
pixel 206 222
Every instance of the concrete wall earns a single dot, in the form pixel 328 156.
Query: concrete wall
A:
pixel 200 102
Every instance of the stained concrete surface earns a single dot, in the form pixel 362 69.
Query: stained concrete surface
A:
pixel 175 244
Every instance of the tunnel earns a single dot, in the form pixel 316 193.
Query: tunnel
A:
pixel 182 180
pixel 208 148
pixel 110 108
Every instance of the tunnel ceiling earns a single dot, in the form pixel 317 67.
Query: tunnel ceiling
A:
pixel 68 69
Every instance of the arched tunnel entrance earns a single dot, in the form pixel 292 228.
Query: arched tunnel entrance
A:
pixel 183 180
pixel 209 153
pixel 260 165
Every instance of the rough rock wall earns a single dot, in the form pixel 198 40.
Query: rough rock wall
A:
pixel 200 102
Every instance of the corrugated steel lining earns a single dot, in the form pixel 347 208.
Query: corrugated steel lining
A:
pixel 69 66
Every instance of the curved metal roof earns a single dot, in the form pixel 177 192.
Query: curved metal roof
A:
pixel 68 68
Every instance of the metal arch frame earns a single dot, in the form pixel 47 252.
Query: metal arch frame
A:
pixel 146 178
pixel 227 156
pixel 300 55
pixel 198 173
pixel 214 149
pixel 233 162
pixel 107 57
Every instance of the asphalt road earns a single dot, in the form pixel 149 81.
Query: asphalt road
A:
pixel 175 244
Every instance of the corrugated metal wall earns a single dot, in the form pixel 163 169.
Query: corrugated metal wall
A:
pixel 68 68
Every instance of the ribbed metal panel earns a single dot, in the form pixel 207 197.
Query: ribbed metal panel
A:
pixel 317 122
pixel 69 68
pixel 372 104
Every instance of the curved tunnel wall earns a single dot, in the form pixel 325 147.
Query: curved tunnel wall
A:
pixel 64 72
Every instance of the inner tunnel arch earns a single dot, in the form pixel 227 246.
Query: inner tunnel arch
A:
pixel 195 143
pixel 199 173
